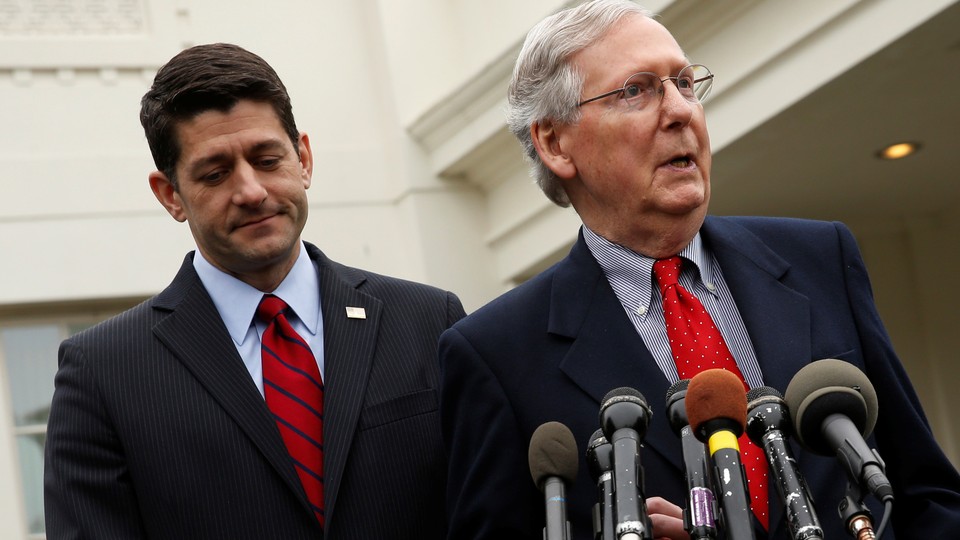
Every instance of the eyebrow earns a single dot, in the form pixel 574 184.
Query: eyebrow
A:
pixel 263 146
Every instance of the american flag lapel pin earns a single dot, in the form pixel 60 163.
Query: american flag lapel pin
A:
pixel 356 313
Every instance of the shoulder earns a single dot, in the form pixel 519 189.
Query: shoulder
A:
pixel 777 233
pixel 386 288
pixel 122 338
pixel 564 287
pixel 125 322
pixel 771 225
pixel 516 311
pixel 381 284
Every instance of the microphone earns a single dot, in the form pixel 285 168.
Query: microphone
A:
pixel 768 423
pixel 553 464
pixel 624 417
pixel 600 462
pixel 699 517
pixel 834 408
pixel 717 409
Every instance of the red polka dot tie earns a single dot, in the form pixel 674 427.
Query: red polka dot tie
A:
pixel 697 345
pixel 293 390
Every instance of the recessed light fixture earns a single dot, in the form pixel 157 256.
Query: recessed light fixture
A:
pixel 899 150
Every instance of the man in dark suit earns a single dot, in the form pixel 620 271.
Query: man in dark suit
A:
pixel 633 159
pixel 163 423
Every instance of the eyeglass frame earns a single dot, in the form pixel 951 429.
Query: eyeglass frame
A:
pixel 660 93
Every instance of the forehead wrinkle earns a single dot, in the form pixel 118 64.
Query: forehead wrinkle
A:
pixel 648 47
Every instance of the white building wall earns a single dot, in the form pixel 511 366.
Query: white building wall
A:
pixel 415 175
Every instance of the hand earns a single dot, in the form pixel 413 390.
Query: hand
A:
pixel 666 519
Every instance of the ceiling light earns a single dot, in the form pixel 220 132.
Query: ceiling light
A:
pixel 899 150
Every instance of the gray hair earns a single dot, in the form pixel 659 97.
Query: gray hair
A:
pixel 546 86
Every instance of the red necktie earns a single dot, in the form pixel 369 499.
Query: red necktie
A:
pixel 697 345
pixel 293 391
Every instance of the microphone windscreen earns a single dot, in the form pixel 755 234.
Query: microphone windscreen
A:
pixel 553 452
pixel 624 408
pixel 716 394
pixel 761 394
pixel 677 387
pixel 624 393
pixel 828 387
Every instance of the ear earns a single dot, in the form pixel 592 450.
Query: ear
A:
pixel 546 139
pixel 306 159
pixel 167 195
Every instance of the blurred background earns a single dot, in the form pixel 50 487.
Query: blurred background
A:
pixel 417 177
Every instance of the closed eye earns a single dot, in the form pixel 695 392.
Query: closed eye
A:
pixel 268 163
pixel 214 177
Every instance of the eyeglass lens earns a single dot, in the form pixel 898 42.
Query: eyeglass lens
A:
pixel 693 82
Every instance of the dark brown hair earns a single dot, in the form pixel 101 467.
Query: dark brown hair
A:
pixel 203 78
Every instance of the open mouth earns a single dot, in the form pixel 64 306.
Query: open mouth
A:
pixel 681 162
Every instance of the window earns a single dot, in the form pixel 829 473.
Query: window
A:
pixel 28 354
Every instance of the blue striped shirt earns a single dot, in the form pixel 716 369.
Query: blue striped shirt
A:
pixel 631 277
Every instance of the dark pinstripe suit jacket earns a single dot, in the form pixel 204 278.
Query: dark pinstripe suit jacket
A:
pixel 157 430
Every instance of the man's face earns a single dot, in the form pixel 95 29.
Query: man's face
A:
pixel 630 173
pixel 242 189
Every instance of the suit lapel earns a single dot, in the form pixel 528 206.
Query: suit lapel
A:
pixel 754 273
pixel 348 348
pixel 781 337
pixel 197 337
pixel 606 351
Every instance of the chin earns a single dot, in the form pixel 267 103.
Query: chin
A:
pixel 267 249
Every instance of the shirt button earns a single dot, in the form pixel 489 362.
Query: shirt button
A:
pixel 642 310
pixel 711 287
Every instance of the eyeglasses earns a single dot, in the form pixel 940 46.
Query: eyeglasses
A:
pixel 642 89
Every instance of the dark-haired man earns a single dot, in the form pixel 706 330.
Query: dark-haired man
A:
pixel 268 392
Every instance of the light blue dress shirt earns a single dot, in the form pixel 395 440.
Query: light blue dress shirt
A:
pixel 237 303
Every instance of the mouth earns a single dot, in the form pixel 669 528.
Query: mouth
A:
pixel 254 221
pixel 681 162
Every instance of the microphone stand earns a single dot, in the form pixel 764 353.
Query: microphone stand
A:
pixel 855 514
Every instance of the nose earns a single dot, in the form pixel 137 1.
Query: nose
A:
pixel 675 110
pixel 248 189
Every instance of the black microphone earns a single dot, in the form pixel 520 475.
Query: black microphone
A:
pixel 834 408
pixel 553 464
pixel 699 517
pixel 717 408
pixel 768 423
pixel 624 417
pixel 600 463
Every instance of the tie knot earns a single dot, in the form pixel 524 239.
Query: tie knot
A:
pixel 270 306
pixel 667 271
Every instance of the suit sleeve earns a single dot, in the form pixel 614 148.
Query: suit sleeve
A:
pixel 926 485
pixel 87 487
pixel 490 494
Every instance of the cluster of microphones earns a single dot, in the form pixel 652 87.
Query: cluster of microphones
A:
pixel 830 407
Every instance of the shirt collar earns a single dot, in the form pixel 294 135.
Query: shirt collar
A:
pixel 237 301
pixel 627 269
